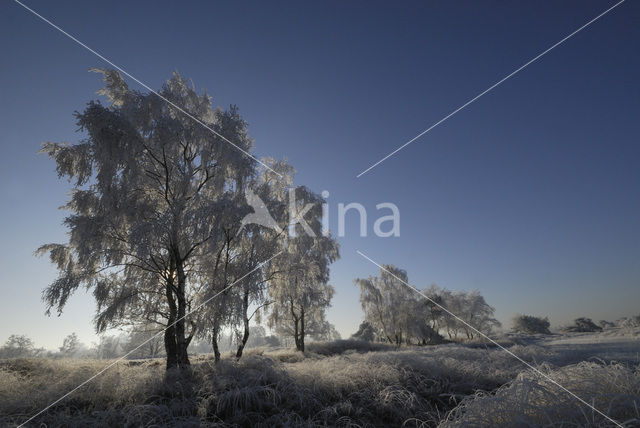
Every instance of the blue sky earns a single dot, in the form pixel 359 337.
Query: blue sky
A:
pixel 530 195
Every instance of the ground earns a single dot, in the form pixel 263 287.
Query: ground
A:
pixel 345 383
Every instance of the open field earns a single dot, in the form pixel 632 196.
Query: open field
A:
pixel 344 383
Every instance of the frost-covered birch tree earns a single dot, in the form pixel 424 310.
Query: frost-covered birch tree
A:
pixel 299 290
pixel 402 315
pixel 151 189
pixel 243 249
pixel 261 243
pixel 469 307
pixel 385 301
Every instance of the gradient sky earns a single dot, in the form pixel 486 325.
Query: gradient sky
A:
pixel 530 195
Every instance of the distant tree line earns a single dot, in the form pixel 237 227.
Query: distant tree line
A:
pixel 529 324
pixel 21 346
pixel 136 344
pixel 397 314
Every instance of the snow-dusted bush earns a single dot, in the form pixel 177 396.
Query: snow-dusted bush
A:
pixel 531 325
pixel 629 322
pixel 606 324
pixel 365 332
pixel 583 325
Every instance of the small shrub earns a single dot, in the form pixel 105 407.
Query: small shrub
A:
pixel 365 332
pixel 629 322
pixel 531 325
pixel 583 325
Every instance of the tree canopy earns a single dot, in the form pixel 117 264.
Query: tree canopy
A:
pixel 155 216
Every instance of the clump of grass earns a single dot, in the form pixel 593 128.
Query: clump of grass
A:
pixel 533 400
pixel 29 385
pixel 256 390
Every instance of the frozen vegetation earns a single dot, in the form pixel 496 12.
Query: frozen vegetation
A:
pixel 344 383
pixel 164 231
